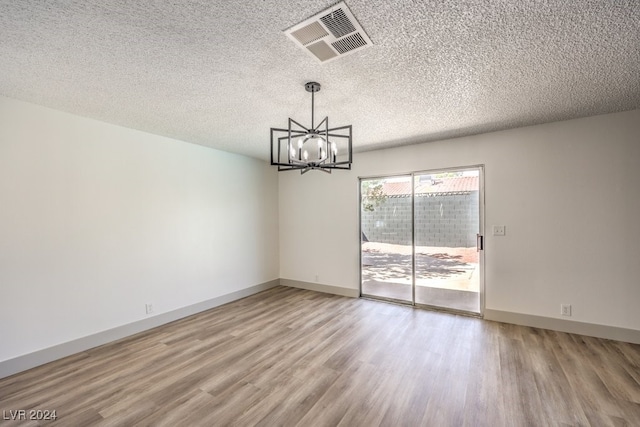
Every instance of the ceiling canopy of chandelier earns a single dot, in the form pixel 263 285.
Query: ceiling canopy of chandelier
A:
pixel 316 147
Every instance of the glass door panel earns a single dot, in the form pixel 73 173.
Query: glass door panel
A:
pixel 386 238
pixel 446 224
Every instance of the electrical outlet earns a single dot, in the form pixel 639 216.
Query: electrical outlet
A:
pixel 499 230
pixel 565 309
pixel 149 308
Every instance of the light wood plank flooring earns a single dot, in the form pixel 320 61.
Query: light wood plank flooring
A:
pixel 294 357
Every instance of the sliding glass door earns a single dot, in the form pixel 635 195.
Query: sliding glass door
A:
pixel 420 237
pixel 446 227
pixel 387 251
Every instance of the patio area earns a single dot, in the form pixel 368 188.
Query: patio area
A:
pixel 445 277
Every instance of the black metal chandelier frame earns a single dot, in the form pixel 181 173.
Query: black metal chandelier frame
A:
pixel 327 158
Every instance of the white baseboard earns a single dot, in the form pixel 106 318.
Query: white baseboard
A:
pixel 327 289
pixel 562 325
pixel 40 357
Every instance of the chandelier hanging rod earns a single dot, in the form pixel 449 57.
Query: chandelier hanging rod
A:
pixel 312 87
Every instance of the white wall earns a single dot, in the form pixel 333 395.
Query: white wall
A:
pixel 96 220
pixel 568 193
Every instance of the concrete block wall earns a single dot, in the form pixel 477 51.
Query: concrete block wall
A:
pixel 441 220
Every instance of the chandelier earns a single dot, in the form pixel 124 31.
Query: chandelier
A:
pixel 316 147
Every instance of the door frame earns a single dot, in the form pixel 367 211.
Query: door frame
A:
pixel 481 226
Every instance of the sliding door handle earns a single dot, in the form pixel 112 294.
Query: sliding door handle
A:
pixel 480 242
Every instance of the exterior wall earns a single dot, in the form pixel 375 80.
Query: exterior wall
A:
pixel 441 220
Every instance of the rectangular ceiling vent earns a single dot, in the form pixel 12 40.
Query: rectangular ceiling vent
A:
pixel 330 34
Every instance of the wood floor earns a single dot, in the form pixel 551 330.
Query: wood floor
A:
pixel 294 357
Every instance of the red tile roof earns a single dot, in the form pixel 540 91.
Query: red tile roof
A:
pixel 457 184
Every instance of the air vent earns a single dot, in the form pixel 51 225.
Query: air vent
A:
pixel 330 34
pixel 348 43
pixel 310 33
pixel 338 23
pixel 322 51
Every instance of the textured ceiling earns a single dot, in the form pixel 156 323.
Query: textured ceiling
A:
pixel 221 73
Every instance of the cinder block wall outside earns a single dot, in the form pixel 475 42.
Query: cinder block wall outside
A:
pixel 441 220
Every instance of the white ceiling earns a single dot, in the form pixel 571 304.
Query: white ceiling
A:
pixel 221 73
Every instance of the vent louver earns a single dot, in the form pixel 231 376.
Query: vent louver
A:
pixel 338 23
pixel 322 51
pixel 351 42
pixel 330 34
pixel 310 33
